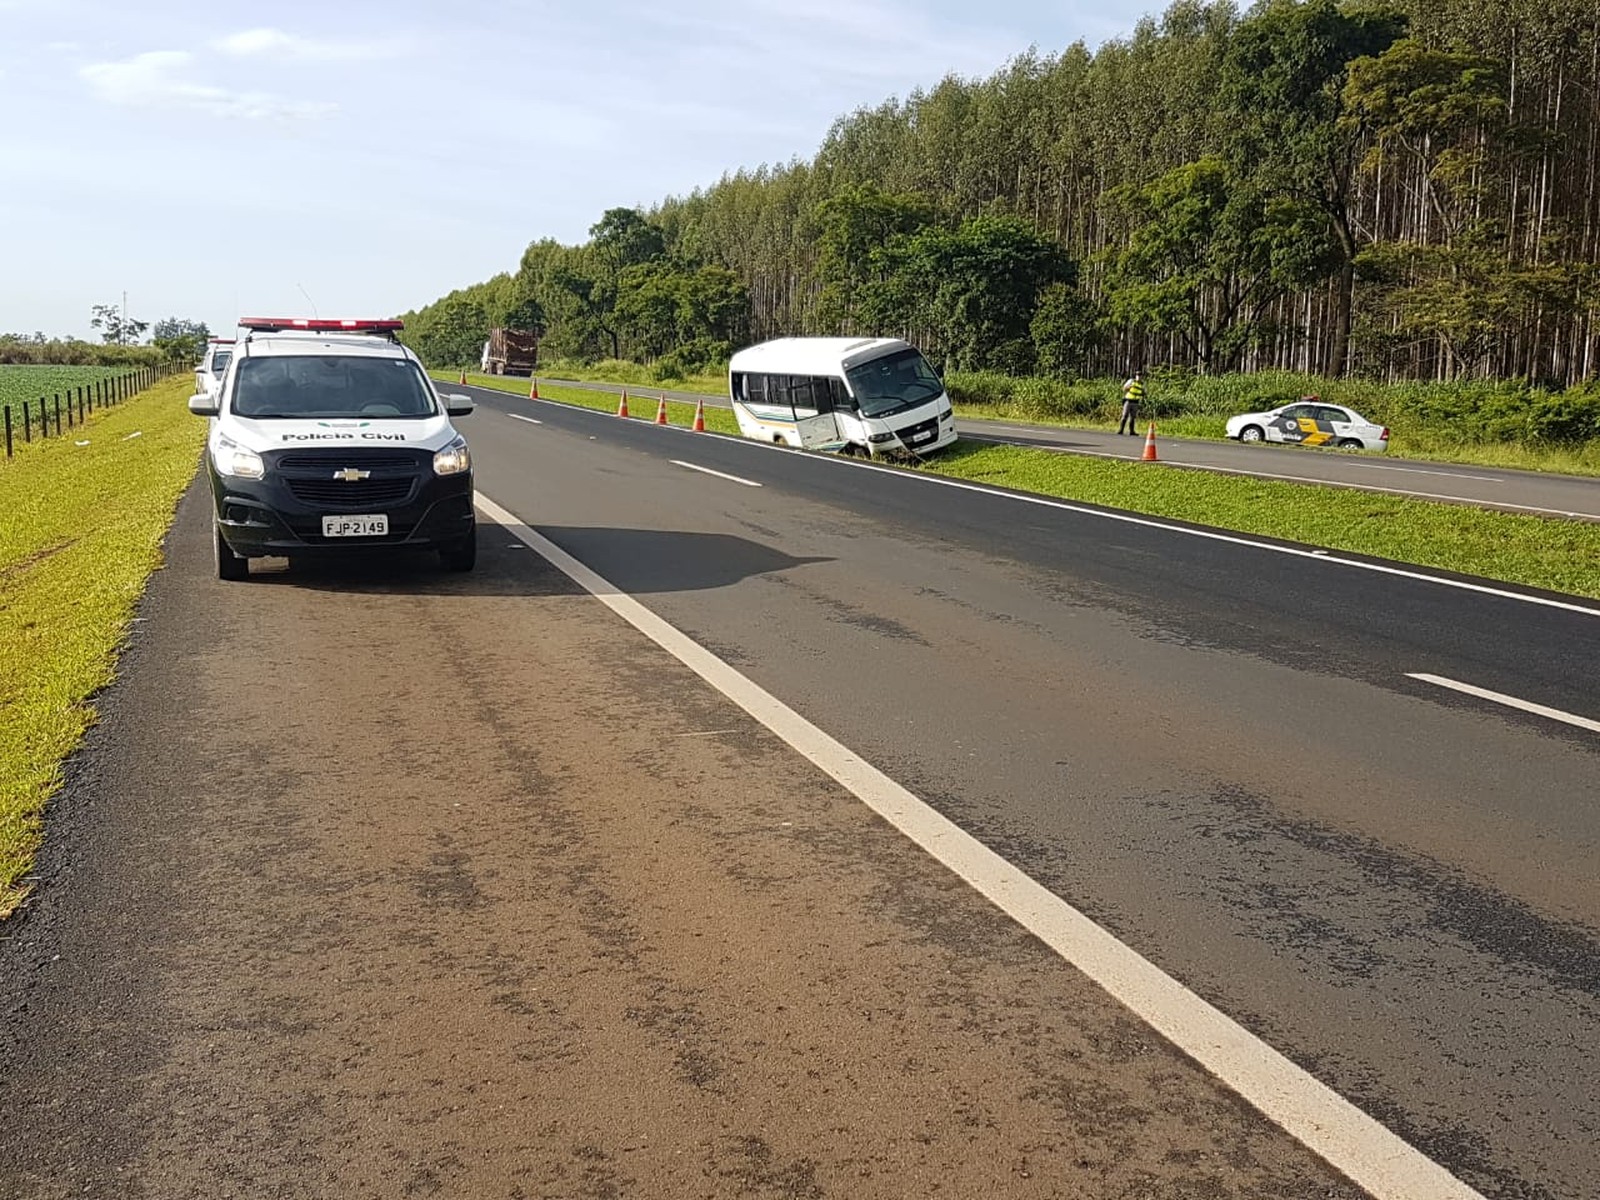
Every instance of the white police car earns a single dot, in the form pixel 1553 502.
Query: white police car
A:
pixel 1310 422
pixel 328 437
pixel 213 365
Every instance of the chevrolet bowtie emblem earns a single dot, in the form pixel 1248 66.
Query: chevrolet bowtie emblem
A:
pixel 350 474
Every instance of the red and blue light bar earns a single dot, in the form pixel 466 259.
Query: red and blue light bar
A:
pixel 317 325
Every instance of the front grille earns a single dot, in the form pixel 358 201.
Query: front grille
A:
pixel 331 460
pixel 911 431
pixel 311 476
pixel 361 495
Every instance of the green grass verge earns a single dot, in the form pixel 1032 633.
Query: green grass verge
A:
pixel 82 531
pixel 1557 555
pixel 1541 552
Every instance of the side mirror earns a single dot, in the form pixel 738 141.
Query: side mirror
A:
pixel 458 405
pixel 203 405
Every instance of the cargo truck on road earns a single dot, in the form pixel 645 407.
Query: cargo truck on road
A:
pixel 511 352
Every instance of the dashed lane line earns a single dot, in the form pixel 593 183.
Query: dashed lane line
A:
pixel 1528 706
pixel 677 462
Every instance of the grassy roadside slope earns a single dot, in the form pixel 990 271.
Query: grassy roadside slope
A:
pixel 82 531
pixel 1557 555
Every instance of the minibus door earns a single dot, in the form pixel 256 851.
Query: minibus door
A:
pixel 814 419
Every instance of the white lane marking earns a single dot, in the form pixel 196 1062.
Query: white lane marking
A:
pixel 1321 556
pixel 1372 466
pixel 1308 1110
pixel 529 420
pixel 708 471
pixel 1555 714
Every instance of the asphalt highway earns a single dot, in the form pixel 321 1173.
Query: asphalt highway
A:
pixel 1487 487
pixel 376 879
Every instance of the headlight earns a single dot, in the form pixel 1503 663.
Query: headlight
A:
pixel 879 438
pixel 233 459
pixel 453 459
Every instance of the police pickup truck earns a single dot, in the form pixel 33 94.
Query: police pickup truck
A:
pixel 329 438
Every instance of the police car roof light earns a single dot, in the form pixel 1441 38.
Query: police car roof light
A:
pixel 317 325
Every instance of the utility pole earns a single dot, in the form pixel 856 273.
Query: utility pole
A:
pixel 122 331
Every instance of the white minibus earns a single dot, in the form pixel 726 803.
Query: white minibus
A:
pixel 861 395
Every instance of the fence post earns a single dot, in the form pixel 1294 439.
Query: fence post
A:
pixel 80 404
pixel 27 423
pixel 8 431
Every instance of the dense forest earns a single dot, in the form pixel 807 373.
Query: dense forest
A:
pixel 1402 190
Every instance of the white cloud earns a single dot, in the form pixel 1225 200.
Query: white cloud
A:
pixel 275 43
pixel 161 79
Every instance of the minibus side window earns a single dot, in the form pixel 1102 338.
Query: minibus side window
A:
pixel 839 394
pixel 800 397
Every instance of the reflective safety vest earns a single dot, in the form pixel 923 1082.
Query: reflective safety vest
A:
pixel 1133 390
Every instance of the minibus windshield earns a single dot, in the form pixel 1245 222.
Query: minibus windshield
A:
pixel 894 382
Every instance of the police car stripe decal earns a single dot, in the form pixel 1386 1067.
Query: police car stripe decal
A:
pixel 1316 432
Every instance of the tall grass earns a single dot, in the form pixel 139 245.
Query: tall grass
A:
pixel 712 381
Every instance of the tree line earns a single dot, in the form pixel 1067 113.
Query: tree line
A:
pixel 1397 191
pixel 121 342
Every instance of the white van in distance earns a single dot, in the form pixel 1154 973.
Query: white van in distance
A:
pixel 873 396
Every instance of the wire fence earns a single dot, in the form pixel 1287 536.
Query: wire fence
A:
pixel 55 416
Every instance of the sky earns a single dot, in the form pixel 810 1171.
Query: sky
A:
pixel 213 160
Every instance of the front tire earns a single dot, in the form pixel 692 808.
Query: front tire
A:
pixel 462 555
pixel 230 566
pixel 1252 433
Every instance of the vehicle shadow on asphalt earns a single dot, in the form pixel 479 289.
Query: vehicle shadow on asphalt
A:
pixel 638 561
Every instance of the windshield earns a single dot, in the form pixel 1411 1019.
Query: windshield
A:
pixel 332 385
pixel 896 381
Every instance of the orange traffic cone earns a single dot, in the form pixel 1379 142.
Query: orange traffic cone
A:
pixel 622 407
pixel 533 387
pixel 699 416
pixel 661 410
pixel 1149 454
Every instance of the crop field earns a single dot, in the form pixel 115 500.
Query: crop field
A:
pixel 19 383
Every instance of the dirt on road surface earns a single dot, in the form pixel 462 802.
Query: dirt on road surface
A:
pixel 377 881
